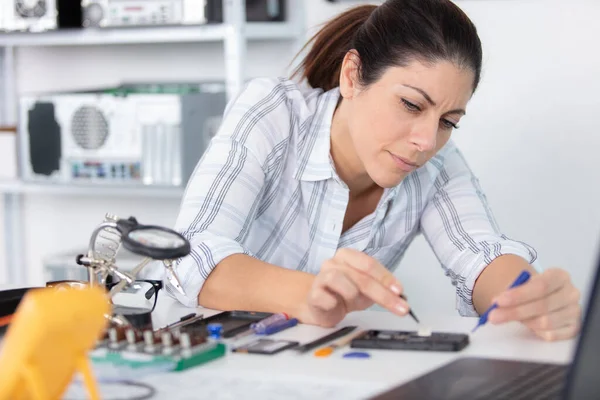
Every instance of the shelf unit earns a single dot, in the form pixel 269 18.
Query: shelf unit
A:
pixel 16 187
pixel 160 34
pixel 234 33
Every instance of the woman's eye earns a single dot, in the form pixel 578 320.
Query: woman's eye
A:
pixel 410 106
pixel 449 124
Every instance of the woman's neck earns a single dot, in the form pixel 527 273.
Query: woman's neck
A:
pixel 348 166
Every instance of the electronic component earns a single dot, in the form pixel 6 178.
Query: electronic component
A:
pixel 233 322
pixel 410 340
pixel 140 135
pixel 265 346
pixel 171 350
pixel 124 13
pixel 214 330
pixel 26 15
pixel 39 15
pixel 327 338
pixel 256 10
pixel 424 331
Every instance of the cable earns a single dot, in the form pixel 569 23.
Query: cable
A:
pixel 151 391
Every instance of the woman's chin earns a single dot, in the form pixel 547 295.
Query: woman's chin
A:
pixel 389 180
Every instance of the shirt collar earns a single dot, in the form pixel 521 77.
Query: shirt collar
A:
pixel 314 163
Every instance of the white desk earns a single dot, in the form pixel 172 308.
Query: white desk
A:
pixel 383 370
pixel 350 378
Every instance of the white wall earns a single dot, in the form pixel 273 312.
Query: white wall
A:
pixel 530 133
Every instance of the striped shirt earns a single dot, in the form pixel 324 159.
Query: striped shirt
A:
pixel 267 187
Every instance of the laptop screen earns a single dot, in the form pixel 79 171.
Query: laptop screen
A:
pixel 583 382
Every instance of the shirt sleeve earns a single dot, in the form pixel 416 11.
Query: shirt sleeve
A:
pixel 223 194
pixel 461 229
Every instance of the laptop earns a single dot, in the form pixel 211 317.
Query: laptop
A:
pixel 490 379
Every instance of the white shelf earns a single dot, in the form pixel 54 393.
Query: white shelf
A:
pixel 97 190
pixel 234 35
pixel 162 34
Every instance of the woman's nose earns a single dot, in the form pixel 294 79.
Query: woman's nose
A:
pixel 424 137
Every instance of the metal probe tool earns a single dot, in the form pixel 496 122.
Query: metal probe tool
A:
pixel 422 331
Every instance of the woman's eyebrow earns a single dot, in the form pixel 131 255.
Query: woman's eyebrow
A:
pixel 433 103
pixel 423 93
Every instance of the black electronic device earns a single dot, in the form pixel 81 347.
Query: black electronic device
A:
pixel 325 339
pixel 233 322
pixel 265 346
pixel 256 11
pixel 9 301
pixel 410 340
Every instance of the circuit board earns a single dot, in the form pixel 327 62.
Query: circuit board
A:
pixel 175 349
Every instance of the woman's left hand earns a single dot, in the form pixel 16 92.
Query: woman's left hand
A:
pixel 548 304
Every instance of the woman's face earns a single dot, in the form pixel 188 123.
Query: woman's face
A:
pixel 399 122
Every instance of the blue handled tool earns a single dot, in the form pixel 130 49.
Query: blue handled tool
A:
pixel 260 326
pixel 278 327
pixel 521 279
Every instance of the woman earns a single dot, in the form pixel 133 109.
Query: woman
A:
pixel 308 196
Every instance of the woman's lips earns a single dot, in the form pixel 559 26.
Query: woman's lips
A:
pixel 404 164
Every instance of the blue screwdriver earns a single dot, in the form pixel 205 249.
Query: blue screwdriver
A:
pixel 261 326
pixel 521 279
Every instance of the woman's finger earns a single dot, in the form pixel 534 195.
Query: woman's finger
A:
pixel 339 283
pixel 374 290
pixel 546 305
pixel 558 319
pixel 319 297
pixel 371 267
pixel 538 287
pixel 362 302
pixel 566 332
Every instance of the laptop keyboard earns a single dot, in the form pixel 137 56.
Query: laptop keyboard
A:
pixel 540 382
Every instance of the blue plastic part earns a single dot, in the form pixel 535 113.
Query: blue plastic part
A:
pixel 215 330
pixel 357 354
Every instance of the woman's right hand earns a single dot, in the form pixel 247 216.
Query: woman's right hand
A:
pixel 350 281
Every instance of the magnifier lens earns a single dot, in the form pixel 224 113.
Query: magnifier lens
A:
pixel 156 238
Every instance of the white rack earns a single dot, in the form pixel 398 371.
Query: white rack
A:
pixel 159 34
pixel 16 187
pixel 234 33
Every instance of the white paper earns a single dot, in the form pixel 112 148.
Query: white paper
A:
pixel 207 384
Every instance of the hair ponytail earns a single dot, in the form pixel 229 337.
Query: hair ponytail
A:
pixel 392 34
pixel 321 66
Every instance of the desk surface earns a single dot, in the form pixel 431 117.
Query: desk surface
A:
pixel 295 375
pixel 385 368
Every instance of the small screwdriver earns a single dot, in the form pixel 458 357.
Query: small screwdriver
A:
pixel 261 326
pixel 410 311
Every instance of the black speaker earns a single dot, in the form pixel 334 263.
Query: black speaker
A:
pixel 256 10
pixel 44 139
pixel 70 14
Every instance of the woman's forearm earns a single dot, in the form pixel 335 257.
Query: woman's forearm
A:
pixel 241 282
pixel 496 278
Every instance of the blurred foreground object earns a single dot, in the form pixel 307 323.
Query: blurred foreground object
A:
pixel 48 340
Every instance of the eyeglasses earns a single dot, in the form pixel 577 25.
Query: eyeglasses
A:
pixel 141 296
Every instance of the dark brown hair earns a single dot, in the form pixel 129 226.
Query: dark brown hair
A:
pixel 392 34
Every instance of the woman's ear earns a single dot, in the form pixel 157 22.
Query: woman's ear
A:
pixel 349 74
